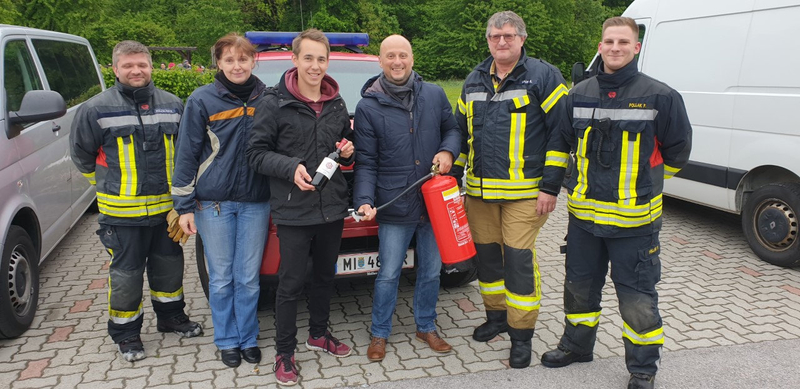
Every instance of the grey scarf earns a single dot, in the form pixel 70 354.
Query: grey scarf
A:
pixel 402 93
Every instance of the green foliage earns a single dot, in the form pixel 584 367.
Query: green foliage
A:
pixel 452 88
pixel 179 82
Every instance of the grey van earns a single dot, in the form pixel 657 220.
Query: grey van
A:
pixel 44 77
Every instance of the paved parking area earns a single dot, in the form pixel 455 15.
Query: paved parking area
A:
pixel 714 292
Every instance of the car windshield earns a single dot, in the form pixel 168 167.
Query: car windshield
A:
pixel 351 76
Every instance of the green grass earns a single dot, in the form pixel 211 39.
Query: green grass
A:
pixel 452 88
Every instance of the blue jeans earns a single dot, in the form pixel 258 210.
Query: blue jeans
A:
pixel 233 239
pixel 394 240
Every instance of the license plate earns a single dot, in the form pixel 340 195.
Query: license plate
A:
pixel 366 263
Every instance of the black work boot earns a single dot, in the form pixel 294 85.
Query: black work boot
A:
pixel 641 381
pixel 561 357
pixel 495 325
pixel 520 348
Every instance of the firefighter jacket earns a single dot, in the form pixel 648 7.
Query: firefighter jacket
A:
pixel 286 133
pixel 210 164
pixel 123 142
pixel 511 138
pixel 629 133
pixel 396 147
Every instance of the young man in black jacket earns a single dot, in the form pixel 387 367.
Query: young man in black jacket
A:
pixel 296 126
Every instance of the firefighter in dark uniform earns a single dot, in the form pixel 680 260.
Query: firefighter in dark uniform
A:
pixel 629 133
pixel 123 142
pixel 510 110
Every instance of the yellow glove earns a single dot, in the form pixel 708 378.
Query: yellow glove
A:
pixel 174 229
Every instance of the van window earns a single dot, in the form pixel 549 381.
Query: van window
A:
pixel 69 69
pixel 19 73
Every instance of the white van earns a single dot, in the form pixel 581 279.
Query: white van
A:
pixel 735 64
pixel 44 76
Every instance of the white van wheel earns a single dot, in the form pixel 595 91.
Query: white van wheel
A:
pixel 770 223
pixel 18 297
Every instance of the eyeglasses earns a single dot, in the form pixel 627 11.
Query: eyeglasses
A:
pixel 506 37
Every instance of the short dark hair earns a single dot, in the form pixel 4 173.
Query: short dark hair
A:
pixel 234 41
pixel 618 21
pixel 127 48
pixel 312 34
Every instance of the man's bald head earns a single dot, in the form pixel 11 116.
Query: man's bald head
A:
pixel 396 59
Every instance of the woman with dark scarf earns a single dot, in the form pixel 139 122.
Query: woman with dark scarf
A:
pixel 220 197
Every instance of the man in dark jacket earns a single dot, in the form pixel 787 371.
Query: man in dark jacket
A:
pixel 400 124
pixel 629 132
pixel 510 112
pixel 124 144
pixel 295 127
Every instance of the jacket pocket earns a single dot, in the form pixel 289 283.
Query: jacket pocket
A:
pixel 648 269
pixel 632 158
pixel 390 186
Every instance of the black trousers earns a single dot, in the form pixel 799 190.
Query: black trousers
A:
pixel 133 250
pixel 635 270
pixel 301 246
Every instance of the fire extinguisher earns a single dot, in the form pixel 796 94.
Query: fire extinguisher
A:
pixel 449 221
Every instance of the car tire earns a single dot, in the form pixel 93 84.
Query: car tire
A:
pixel 20 295
pixel 456 280
pixel 770 223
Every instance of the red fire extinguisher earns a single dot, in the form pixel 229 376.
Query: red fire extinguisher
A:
pixel 449 221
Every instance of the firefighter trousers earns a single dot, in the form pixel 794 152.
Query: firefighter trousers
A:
pixel 635 270
pixel 508 271
pixel 133 250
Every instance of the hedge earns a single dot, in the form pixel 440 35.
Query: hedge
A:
pixel 180 82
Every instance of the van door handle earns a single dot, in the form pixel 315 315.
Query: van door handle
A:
pixel 56 127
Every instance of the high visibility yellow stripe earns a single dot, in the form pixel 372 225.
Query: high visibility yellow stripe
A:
pixel 470 138
pixel 91 178
pixel 583 165
pixel 653 337
pixel 607 218
pixel 503 182
pixel 551 100
pixel 134 173
pixel 499 194
pixel 556 158
pixel 150 209
pixel 169 151
pixel 615 207
pixel 516 145
pixel 670 171
pixel 462 160
pixel 167 297
pixel 497 287
pixel 462 107
pixel 123 317
pixel 520 102
pixel 128 201
pixel 524 303
pixel 629 168
pixel 537 277
pixel 590 319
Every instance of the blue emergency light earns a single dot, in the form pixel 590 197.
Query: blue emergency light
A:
pixel 264 39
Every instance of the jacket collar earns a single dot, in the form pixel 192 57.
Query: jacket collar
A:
pixel 222 91
pixel 372 88
pixel 136 94
pixel 618 78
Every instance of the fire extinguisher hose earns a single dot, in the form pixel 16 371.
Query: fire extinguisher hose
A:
pixel 434 171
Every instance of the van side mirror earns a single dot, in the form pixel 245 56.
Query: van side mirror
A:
pixel 38 105
pixel 578 72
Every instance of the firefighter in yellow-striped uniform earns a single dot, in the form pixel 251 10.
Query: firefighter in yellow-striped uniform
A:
pixel 123 142
pixel 629 133
pixel 510 113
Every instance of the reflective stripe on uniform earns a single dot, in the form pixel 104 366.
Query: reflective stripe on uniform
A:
pixel 556 158
pixel 461 106
pixel 608 213
pixel 614 114
pixel 167 297
pixel 498 188
pixel 231 114
pixel 188 189
pixel 516 145
pixel 127 166
pixel 133 120
pixel 551 100
pixel 123 317
pixel 509 95
pixel 129 201
pixel 583 166
pixel 132 206
pixel 629 168
pixel 90 177
pixel 653 337
pixel 169 151
pixel 498 287
pixel 590 319
pixel 524 303
pixel 461 160
pixel 476 96
pixel 670 171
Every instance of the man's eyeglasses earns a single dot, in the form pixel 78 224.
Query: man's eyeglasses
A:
pixel 506 37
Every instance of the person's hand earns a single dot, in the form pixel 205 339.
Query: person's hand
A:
pixel 368 212
pixel 347 150
pixel 445 161
pixel 545 204
pixel 302 179
pixel 180 227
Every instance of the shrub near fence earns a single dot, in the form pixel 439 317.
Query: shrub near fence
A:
pixel 179 82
